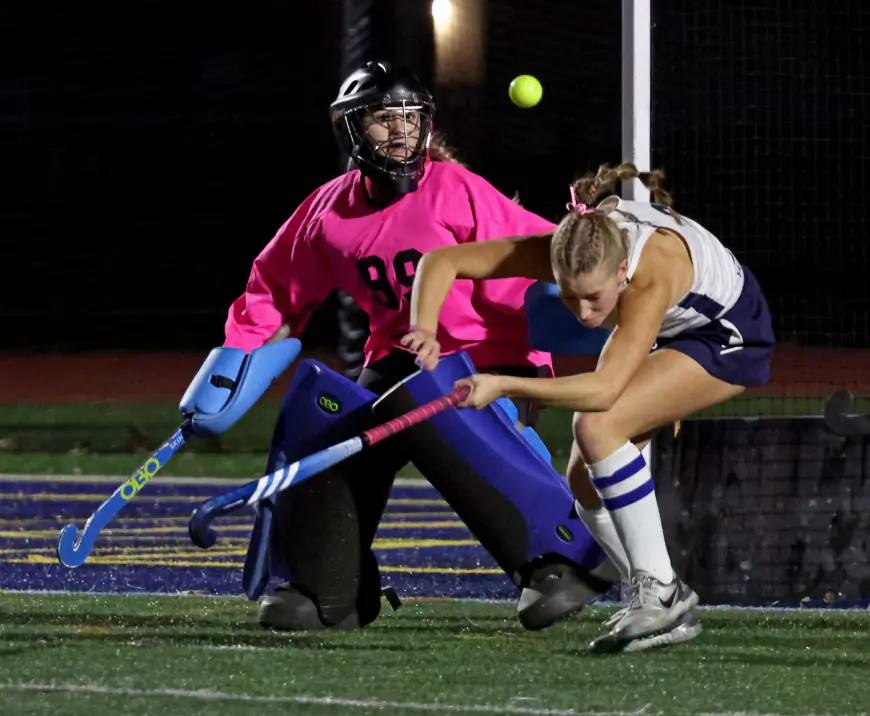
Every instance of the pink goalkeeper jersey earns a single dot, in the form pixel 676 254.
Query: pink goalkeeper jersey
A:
pixel 334 240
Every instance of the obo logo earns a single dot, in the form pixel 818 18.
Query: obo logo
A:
pixel 138 480
pixel 329 404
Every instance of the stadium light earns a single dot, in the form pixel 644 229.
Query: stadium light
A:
pixel 442 13
pixel 459 41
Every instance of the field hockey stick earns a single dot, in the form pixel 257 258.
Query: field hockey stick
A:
pixel 270 485
pixel 73 548
pixel 839 417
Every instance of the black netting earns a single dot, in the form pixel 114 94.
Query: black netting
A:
pixel 145 165
pixel 134 158
pixel 766 512
pixel 760 121
pixel 576 55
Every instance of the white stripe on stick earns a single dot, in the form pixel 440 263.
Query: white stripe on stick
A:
pixel 262 484
pixel 288 478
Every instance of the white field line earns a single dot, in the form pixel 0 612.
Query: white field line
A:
pixel 396 706
pixel 420 599
pixel 342 703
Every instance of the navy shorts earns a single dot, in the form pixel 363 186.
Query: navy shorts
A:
pixel 737 347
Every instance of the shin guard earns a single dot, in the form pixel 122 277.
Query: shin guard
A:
pixel 320 408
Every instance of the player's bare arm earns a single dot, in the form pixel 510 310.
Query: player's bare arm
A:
pixel 663 277
pixel 514 257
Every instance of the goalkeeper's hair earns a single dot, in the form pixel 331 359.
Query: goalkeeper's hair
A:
pixel 439 151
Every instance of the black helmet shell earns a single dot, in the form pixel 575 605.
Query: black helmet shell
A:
pixel 374 87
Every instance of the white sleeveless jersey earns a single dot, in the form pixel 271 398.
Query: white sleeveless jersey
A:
pixel 718 275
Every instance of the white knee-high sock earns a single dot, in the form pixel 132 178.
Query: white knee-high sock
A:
pixel 601 527
pixel 624 483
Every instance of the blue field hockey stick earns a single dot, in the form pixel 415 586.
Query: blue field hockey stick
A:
pixel 270 485
pixel 73 548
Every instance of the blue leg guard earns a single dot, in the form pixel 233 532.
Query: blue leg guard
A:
pixel 319 409
pixel 553 328
pixel 500 482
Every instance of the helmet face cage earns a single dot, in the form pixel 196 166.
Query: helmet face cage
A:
pixel 388 138
pixel 382 119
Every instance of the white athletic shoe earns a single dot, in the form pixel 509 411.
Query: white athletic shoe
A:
pixel 687 628
pixel 657 615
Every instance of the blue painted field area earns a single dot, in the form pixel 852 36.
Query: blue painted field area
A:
pixel 422 547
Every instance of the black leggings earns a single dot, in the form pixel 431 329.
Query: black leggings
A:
pixel 325 526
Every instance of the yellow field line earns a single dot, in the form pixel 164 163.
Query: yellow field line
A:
pixel 440 570
pixel 84 497
pixel 24 521
pixel 118 533
pixel 413 501
pixel 236 565
pixel 422 543
pixel 425 525
pixel 136 555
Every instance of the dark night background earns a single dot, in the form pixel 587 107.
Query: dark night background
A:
pixel 150 150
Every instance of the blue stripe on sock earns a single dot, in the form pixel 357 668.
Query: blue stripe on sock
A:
pixel 629 498
pixel 623 473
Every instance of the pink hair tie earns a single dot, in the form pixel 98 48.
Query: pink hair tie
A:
pixel 573 205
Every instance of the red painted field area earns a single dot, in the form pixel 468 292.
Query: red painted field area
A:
pixel 160 376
